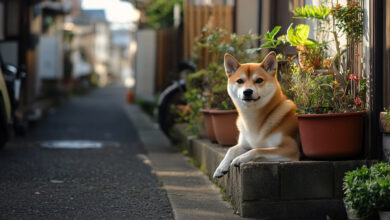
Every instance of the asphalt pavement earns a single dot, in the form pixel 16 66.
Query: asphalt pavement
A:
pixel 110 182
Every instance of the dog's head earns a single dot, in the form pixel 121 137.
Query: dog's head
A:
pixel 252 84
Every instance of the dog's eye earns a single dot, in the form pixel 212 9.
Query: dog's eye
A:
pixel 240 81
pixel 259 80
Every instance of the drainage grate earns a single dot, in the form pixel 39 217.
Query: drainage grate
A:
pixel 77 144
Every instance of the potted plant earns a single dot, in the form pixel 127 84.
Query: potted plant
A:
pixel 279 45
pixel 331 103
pixel 222 111
pixel 367 190
pixel 206 91
pixel 385 120
pixel 385 128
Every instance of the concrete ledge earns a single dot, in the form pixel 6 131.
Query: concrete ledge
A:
pixel 276 190
pixel 192 195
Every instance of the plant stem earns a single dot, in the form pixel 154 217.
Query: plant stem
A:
pixel 337 47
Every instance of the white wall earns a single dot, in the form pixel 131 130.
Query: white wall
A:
pixel 49 66
pixel 145 64
pixel 102 42
pixel 247 16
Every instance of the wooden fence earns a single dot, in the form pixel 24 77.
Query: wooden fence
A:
pixel 196 17
pixel 168 57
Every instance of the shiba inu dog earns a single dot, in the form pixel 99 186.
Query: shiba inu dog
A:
pixel 267 122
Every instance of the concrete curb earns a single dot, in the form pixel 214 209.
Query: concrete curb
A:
pixel 191 193
pixel 276 190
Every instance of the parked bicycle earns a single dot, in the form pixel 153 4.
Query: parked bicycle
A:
pixel 173 95
pixel 11 79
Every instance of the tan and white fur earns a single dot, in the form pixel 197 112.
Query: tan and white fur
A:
pixel 267 121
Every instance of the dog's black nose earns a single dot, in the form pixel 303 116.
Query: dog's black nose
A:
pixel 248 92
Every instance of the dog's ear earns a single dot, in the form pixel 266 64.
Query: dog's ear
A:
pixel 231 64
pixel 270 63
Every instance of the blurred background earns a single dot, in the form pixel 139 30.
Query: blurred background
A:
pixel 70 46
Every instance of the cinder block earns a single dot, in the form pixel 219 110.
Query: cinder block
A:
pixel 260 181
pixel 306 180
pixel 189 143
pixel 340 168
pixel 305 209
pixel 212 160
pixel 234 186
pixel 196 149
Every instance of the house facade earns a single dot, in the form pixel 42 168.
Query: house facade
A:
pixel 31 36
pixel 92 43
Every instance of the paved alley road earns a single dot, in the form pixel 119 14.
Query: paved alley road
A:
pixel 107 183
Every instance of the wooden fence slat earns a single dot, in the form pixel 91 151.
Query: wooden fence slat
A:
pixel 191 27
pixel 186 43
pixel 195 18
pixel 205 22
pixel 219 19
pixel 214 17
pixel 198 29
pixel 228 19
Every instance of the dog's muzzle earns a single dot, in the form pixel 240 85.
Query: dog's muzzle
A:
pixel 248 96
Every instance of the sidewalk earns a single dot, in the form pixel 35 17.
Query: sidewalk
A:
pixel 191 193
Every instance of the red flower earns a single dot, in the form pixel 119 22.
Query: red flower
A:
pixel 350 76
pixel 358 101
pixel 316 108
pixel 356 78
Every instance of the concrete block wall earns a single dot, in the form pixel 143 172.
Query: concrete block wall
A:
pixel 278 190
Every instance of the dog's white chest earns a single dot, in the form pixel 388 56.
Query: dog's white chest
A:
pixel 257 139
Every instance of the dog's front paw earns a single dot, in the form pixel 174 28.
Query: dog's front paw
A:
pixel 220 172
pixel 239 160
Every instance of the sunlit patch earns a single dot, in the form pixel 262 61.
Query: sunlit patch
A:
pixel 77 144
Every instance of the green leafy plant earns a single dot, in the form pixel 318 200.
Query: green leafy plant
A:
pixel 337 88
pixel 195 101
pixel 387 116
pixel 313 57
pixel 309 11
pixel 159 13
pixel 368 189
pixel 299 35
pixel 316 93
pixel 349 20
pixel 269 42
pixel 295 36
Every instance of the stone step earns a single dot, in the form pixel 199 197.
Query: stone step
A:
pixel 277 190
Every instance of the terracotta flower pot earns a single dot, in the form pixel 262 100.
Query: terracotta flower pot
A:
pixel 208 124
pixel 385 127
pixel 225 127
pixel 331 136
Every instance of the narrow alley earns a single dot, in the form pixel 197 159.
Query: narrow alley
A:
pixel 194 109
pixel 111 182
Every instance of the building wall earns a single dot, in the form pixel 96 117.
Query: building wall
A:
pixel 145 64
pixel 50 55
pixel 102 42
